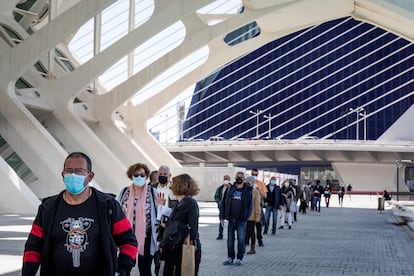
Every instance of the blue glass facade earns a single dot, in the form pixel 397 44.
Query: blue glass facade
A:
pixel 308 81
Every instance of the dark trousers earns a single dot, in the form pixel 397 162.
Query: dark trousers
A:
pixel 173 262
pixel 303 206
pixel 145 261
pixel 259 226
pixel 250 235
pixel 221 228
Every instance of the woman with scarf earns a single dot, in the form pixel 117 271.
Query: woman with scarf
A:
pixel 140 201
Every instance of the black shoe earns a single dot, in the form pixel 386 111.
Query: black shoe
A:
pixel 290 227
pixel 219 238
pixel 264 233
pixel 281 227
pixel 261 243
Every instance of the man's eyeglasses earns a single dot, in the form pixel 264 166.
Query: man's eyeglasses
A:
pixel 76 170
pixel 142 175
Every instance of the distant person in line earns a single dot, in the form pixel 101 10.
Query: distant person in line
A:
pixel 288 204
pixel 153 179
pixel 254 216
pixel 218 196
pixel 304 199
pixel 317 194
pixel 261 187
pixel 298 193
pixel 349 190
pixel 327 194
pixel 80 231
pixel 236 207
pixel 311 186
pixel 273 203
pixel 386 195
pixel 341 193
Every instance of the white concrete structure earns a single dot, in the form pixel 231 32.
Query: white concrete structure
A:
pixel 60 110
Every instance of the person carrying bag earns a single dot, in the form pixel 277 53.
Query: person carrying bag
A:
pixel 188 257
pixel 180 244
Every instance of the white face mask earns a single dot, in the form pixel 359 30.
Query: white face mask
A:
pixel 226 182
pixel 286 185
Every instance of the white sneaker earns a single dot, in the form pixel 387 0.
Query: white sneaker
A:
pixel 237 262
pixel 229 261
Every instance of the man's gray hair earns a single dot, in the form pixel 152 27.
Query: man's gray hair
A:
pixel 164 167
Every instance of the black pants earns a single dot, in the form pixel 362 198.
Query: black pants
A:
pixel 145 261
pixel 173 262
pixel 250 235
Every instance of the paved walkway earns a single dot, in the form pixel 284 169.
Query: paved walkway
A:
pixel 356 239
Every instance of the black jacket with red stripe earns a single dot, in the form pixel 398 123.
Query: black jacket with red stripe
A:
pixel 116 233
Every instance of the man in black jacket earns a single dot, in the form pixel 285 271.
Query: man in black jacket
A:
pixel 273 202
pixel 80 230
pixel 236 207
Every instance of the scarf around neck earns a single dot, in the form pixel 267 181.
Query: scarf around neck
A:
pixel 140 219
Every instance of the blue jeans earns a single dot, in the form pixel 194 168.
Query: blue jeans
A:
pixel 271 210
pixel 317 204
pixel 236 225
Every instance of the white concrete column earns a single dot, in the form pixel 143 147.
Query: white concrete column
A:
pixel 16 196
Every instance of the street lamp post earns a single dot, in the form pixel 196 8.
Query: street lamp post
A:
pixel 269 118
pixel 363 114
pixel 257 113
pixel 357 110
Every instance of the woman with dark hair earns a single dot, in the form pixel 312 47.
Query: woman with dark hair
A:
pixel 140 201
pixel 183 220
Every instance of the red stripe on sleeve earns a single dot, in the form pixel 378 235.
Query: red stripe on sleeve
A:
pixel 129 250
pixel 37 231
pixel 31 257
pixel 121 226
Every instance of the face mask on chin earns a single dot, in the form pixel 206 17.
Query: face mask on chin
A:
pixel 226 182
pixel 74 183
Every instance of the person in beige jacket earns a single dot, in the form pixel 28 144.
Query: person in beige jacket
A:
pixel 254 216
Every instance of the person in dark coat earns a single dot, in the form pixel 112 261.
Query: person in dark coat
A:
pixel 272 203
pixel 79 228
pixel 236 208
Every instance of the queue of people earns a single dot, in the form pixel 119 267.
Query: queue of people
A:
pixel 147 223
pixel 242 202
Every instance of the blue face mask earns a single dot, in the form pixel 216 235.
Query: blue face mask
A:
pixel 273 182
pixel 75 184
pixel 138 181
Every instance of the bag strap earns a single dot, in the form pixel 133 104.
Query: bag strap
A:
pixel 187 240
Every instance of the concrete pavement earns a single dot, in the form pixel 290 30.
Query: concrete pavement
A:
pixel 356 239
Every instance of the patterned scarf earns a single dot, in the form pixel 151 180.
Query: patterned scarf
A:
pixel 140 217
